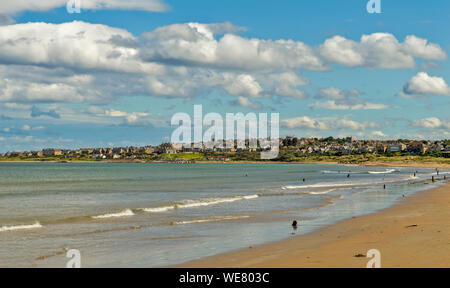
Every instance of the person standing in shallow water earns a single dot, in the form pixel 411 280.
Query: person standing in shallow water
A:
pixel 294 224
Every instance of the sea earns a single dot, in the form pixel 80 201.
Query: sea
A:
pixel 158 215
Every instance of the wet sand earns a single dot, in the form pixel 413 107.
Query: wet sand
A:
pixel 413 233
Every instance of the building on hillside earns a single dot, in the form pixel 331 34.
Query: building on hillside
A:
pixel 397 148
pixel 417 147
pixel 119 150
pixel 52 152
pixel 381 148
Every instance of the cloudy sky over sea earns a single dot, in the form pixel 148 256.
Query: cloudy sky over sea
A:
pixel 114 74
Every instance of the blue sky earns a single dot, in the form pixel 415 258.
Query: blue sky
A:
pixel 328 67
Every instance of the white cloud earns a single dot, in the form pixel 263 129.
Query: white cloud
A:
pixel 245 102
pixel 16 6
pixel 76 45
pixel 38 128
pixel 79 62
pixel 342 51
pixel 380 50
pixel 144 119
pixel 115 113
pixel 355 125
pixel 419 47
pixel 432 123
pixel 305 122
pixel 422 84
pixel 244 85
pixel 26 127
pixel 125 118
pixel 335 93
pixel 286 85
pixel 344 100
pixel 195 44
pixel 378 134
pixel 333 105
pixel 329 123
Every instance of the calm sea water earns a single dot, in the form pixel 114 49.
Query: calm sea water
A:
pixel 152 215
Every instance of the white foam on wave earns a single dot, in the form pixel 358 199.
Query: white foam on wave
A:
pixel 319 185
pixel 158 209
pixel 339 172
pixel 20 227
pixel 346 184
pixel 216 219
pixel 387 171
pixel 321 192
pixel 125 213
pixel 198 203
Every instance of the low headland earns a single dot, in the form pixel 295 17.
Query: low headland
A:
pixel 425 153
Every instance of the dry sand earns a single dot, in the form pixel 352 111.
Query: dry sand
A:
pixel 409 164
pixel 413 233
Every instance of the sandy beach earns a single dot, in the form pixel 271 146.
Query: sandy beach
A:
pixel 413 233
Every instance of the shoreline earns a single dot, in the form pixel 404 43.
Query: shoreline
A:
pixel 414 232
pixel 364 164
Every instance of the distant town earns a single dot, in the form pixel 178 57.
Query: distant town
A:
pixel 291 149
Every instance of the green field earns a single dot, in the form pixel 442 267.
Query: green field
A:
pixel 284 156
pixel 179 156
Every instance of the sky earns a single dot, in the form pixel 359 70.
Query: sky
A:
pixel 115 73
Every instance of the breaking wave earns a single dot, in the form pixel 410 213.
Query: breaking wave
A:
pixel 339 172
pixel 320 192
pixel 387 171
pixel 215 219
pixel 198 203
pixel 346 184
pixel 125 213
pixel 20 227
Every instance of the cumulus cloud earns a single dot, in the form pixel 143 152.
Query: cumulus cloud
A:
pixel 380 50
pixel 245 102
pixel 423 84
pixel 244 84
pixel 79 62
pixel 378 134
pixel 76 45
pixel 286 84
pixel 330 123
pixel 21 85
pixel 355 125
pixel 432 123
pixel 16 6
pixel 196 44
pixel 344 100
